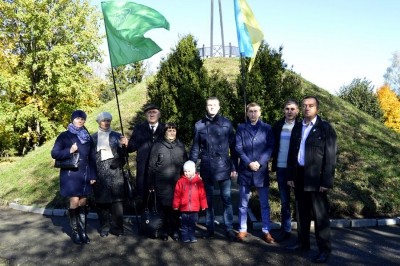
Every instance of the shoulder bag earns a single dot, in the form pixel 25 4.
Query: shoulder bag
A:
pixel 70 163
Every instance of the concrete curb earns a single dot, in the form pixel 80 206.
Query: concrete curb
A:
pixel 256 225
pixel 335 223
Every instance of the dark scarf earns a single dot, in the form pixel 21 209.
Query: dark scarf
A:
pixel 80 132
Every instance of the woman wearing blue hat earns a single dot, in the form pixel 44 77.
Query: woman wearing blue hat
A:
pixel 77 183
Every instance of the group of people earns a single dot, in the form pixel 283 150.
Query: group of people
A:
pixel 303 154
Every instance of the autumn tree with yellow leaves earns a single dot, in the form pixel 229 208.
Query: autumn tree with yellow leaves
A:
pixel 390 105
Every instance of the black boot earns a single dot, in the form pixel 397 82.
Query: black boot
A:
pixel 82 225
pixel 73 221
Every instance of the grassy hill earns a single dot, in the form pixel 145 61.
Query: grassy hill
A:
pixel 367 179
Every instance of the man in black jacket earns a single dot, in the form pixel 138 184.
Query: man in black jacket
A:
pixel 311 169
pixel 141 141
pixel 282 130
pixel 214 145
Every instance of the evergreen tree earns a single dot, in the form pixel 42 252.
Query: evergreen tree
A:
pixel 269 83
pixel 181 87
pixel 361 94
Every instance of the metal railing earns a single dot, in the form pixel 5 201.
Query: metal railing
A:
pixel 219 51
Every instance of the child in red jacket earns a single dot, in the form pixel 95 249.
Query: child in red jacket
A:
pixel 189 198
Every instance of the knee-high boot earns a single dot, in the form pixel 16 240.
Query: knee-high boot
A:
pixel 82 224
pixel 73 221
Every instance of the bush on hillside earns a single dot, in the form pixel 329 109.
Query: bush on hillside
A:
pixel 361 94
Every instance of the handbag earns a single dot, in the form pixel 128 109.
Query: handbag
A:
pixel 70 163
pixel 151 221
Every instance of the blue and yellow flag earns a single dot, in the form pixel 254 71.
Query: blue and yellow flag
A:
pixel 248 30
pixel 126 23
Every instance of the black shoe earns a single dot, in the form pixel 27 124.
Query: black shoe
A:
pixel 175 236
pixel 231 235
pixel 322 257
pixel 283 235
pixel 208 234
pixel 116 232
pixel 104 233
pixel 75 237
pixel 297 247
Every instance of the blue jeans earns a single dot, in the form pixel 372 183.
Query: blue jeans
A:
pixel 188 229
pixel 244 192
pixel 284 194
pixel 225 192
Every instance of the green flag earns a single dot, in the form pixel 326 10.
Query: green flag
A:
pixel 126 23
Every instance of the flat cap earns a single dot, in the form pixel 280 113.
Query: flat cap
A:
pixel 150 106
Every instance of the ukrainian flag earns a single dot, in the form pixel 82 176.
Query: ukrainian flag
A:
pixel 248 30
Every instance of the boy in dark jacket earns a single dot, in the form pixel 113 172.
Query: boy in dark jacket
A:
pixel 189 198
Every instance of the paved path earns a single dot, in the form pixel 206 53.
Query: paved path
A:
pixel 34 239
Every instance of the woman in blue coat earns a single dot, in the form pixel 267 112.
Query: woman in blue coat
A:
pixel 254 145
pixel 77 184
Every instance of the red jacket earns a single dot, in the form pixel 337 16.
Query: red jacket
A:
pixel 189 194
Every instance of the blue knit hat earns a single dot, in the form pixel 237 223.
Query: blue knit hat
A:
pixel 78 113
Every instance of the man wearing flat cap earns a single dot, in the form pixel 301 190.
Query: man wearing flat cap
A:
pixel 141 141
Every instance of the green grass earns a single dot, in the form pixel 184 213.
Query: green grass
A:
pixel 32 180
pixel 367 179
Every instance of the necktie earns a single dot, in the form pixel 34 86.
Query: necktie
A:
pixel 152 129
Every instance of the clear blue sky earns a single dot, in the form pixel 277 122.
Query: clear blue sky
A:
pixel 328 42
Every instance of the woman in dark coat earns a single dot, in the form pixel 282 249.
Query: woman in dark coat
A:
pixel 76 184
pixel 165 167
pixel 109 188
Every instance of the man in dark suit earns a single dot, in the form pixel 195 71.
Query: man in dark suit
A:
pixel 214 145
pixel 311 169
pixel 141 141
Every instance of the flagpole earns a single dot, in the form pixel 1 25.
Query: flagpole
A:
pixel 116 97
pixel 244 84
pixel 128 174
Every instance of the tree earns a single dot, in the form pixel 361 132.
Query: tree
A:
pixel 46 47
pixel 180 87
pixel 269 83
pixel 390 104
pixel 361 94
pixel 392 75
pixel 125 78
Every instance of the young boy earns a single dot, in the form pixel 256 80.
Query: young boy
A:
pixel 189 198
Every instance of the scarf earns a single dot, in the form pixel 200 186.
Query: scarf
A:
pixel 80 132
pixel 103 144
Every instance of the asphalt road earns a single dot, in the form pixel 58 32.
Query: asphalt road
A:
pixel 34 239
